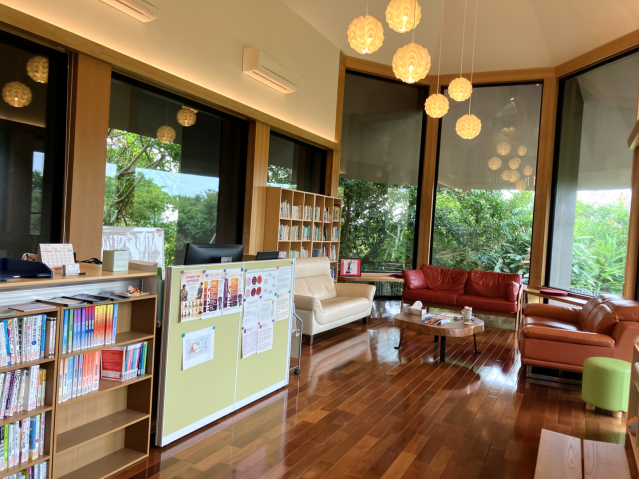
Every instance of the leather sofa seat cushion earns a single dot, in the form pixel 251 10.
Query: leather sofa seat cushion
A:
pixel 313 278
pixel 342 307
pixel 490 304
pixel 573 337
pixel 548 323
pixel 489 284
pixel 414 279
pixel 511 292
pixel 443 279
pixel 440 297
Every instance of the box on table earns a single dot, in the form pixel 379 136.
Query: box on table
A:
pixel 115 260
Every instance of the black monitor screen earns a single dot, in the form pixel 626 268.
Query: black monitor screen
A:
pixel 204 253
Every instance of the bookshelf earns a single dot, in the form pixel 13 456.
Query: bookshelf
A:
pixel 298 222
pixel 106 430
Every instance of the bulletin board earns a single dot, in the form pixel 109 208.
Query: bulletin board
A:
pixel 192 398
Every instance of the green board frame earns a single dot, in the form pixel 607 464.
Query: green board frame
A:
pixel 192 398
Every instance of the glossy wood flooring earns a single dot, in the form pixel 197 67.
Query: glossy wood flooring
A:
pixel 362 409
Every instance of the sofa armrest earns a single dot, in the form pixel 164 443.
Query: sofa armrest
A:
pixel 307 303
pixel 550 311
pixel 563 336
pixel 355 290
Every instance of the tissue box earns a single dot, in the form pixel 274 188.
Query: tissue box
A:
pixel 418 311
pixel 115 260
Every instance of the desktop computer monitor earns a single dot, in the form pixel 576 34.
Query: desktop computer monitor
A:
pixel 205 253
pixel 266 255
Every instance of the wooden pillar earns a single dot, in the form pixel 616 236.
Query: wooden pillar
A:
pixel 632 255
pixel 332 160
pixel 543 183
pixel 90 93
pixel 256 179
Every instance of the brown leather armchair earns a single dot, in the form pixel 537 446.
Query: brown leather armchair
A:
pixel 561 337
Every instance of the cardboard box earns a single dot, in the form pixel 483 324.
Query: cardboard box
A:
pixel 115 260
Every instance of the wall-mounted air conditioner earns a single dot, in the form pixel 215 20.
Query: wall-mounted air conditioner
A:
pixel 263 68
pixel 138 9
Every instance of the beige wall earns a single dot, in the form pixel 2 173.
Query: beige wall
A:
pixel 206 48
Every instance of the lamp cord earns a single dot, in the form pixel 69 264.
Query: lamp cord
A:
pixel 441 39
pixel 461 66
pixel 472 64
pixel 414 19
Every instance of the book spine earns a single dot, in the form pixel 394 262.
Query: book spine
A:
pixel 7 342
pixel 81 373
pixel 33 439
pixel 3 356
pixel 70 331
pixel 76 316
pixel 61 381
pixel 65 330
pixel 41 435
pixel 23 388
pixel 43 336
pixel 74 385
pixel 24 443
pixel 96 372
pixel 15 393
pixel 115 323
pixel 109 324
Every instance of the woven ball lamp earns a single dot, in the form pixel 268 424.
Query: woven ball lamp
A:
pixel 468 127
pixel 514 163
pixel 17 94
pixel 505 175
pixel 460 89
pixel 522 150
pixel 187 116
pixel 528 170
pixel 411 63
pixel 436 105
pixel 520 185
pixel 503 148
pixel 38 69
pixel 166 134
pixel 365 34
pixel 494 163
pixel 401 17
pixel 514 176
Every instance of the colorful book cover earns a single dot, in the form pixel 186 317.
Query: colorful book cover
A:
pixel 43 335
pixel 70 331
pixel 5 451
pixel 61 381
pixel 76 367
pixel 24 446
pixel 33 439
pixel 109 325
pixel 96 371
pixel 115 323
pixel 65 330
pixel 41 435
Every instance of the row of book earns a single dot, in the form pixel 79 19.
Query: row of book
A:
pixel 284 233
pixel 296 212
pixel 285 209
pixel 333 254
pixel 27 338
pixel 295 232
pixel 335 233
pixel 124 362
pixel 22 389
pixel 306 233
pixel 335 213
pixel 281 254
pixel 78 375
pixel 22 441
pixel 327 214
pixel 332 272
pixel 39 471
pixel 295 254
pixel 308 213
pixel 90 327
pixel 318 214
pixel 317 233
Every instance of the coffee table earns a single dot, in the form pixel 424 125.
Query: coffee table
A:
pixel 456 329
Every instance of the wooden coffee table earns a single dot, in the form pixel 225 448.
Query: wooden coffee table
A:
pixel 456 329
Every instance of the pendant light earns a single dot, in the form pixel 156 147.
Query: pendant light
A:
pixel 365 34
pixel 469 126
pixel 503 148
pixel 403 15
pixel 165 133
pixel 514 176
pixel 38 69
pixel 411 63
pixel 436 105
pixel 17 94
pixel 460 89
pixel 521 185
pixel 514 163
pixel 528 170
pixel 187 116
pixel 522 150
pixel 494 163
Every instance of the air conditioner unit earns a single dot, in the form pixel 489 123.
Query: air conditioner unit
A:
pixel 259 66
pixel 138 9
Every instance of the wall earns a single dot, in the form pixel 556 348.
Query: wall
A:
pixel 202 41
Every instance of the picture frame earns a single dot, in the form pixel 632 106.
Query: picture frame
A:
pixel 350 267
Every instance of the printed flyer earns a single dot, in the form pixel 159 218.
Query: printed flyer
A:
pixel 198 347
pixel 191 295
pixel 233 280
pixel 213 293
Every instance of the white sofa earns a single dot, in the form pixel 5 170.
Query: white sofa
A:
pixel 323 304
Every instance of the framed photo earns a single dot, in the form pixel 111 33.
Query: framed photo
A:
pixel 350 267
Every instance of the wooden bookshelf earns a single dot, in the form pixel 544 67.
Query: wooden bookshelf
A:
pixel 321 227
pixel 102 432
pixel 633 404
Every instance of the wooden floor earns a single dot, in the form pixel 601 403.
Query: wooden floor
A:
pixel 360 408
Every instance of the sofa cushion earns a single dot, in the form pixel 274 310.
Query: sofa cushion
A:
pixel 548 323
pixel 342 307
pixel 594 302
pixel 485 303
pixel 440 297
pixel 512 291
pixel 414 279
pixel 604 317
pixel 575 337
pixel 489 284
pixel 443 279
pixel 566 314
pixel 313 278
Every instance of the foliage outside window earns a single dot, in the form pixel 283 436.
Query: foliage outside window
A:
pixel 481 220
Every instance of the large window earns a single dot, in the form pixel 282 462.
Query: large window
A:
pixel 382 141
pixel 32 132
pixel 295 165
pixel 174 165
pixel 592 178
pixel 485 186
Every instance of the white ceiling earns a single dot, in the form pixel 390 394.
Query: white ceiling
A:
pixel 511 34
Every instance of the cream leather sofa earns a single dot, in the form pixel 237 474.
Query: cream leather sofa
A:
pixel 323 304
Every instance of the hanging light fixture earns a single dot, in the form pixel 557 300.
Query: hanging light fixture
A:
pixel 460 89
pixel 187 116
pixel 436 105
pixel 494 163
pixel 514 176
pixel 17 94
pixel 522 150
pixel 505 175
pixel 403 15
pixel 503 148
pixel 469 126
pixel 528 170
pixel 38 69
pixel 520 185
pixel 166 134
pixel 514 163
pixel 411 63
pixel 365 34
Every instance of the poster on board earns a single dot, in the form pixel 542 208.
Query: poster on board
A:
pixel 198 347
pixel 233 280
pixel 191 295
pixel 213 293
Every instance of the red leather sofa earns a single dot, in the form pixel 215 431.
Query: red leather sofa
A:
pixel 560 337
pixel 497 294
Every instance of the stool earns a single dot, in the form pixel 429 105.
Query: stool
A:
pixel 606 385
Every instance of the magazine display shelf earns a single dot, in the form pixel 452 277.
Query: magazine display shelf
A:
pixel 100 433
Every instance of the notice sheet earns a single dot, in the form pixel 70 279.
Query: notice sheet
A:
pixel 198 347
